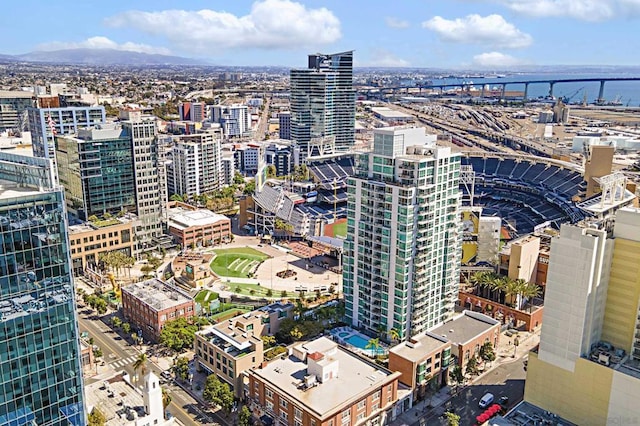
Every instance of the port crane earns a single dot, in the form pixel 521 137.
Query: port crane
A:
pixel 567 99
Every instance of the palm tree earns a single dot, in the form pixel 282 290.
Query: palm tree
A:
pixel 499 286
pixel 394 335
pixel 373 344
pixel 520 285
pixel 166 398
pixel 531 291
pixel 140 364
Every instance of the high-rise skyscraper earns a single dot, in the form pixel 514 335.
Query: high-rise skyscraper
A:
pixel 44 122
pixel 590 340
pixel 192 111
pixel 95 166
pixel 40 371
pixel 235 120
pixel 150 180
pixel 196 164
pixel 323 104
pixel 402 253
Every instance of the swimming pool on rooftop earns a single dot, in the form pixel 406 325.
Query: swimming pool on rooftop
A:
pixel 357 341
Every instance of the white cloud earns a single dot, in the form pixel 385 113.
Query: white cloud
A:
pixel 384 58
pixel 497 60
pixel 587 10
pixel 490 30
pixel 272 24
pixel 396 23
pixel 584 10
pixel 100 42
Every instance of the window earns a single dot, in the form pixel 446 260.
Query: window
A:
pixel 269 393
pixel 284 415
pixel 375 407
pixel 269 406
pixel 297 413
pixel 283 403
pixel 375 396
pixel 361 404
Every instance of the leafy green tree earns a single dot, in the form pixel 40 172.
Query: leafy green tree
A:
pixel 268 341
pixel 218 393
pixel 244 416
pixel 178 334
pixel 487 353
pixel 394 335
pixel 181 368
pixel 269 293
pixel 249 187
pixel 97 418
pixel 238 179
pixel 126 328
pixel 472 366
pixel 456 375
pixel 116 322
pixel 283 294
pixel 296 333
pixel 101 305
pixel 452 418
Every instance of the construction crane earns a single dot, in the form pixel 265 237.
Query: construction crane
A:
pixel 567 99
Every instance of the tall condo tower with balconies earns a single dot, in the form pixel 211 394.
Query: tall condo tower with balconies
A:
pixel 403 247
pixel 323 104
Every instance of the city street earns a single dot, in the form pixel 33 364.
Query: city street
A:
pixel 120 356
pixel 507 379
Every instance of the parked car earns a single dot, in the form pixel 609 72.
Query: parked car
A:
pixel 486 400
pixel 503 401
pixel 166 374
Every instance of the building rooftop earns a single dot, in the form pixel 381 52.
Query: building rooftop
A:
pixel 181 218
pixel 117 399
pixel 419 346
pixel 15 94
pixel 527 414
pixel 235 339
pixel 157 294
pixel 465 327
pixel 9 189
pixel 356 377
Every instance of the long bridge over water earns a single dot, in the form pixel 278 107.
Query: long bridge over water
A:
pixel 503 85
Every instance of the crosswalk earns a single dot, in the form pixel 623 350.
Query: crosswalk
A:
pixel 123 362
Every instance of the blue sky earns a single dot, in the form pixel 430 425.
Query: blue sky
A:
pixel 471 34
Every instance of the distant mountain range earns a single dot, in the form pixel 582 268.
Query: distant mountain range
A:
pixel 99 57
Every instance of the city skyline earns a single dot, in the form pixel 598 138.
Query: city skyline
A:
pixel 491 34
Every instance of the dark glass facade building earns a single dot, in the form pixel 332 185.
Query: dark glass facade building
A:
pixel 40 370
pixel 323 104
pixel 96 169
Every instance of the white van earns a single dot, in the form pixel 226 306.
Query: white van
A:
pixel 486 400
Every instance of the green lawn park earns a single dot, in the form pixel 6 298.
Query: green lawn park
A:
pixel 340 230
pixel 236 262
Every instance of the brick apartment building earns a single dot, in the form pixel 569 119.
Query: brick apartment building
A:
pixel 423 362
pixel 148 305
pixel 323 384
pixel 467 333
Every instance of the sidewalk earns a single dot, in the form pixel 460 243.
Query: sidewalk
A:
pixel 506 353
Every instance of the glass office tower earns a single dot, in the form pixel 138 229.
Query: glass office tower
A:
pixel 40 371
pixel 323 103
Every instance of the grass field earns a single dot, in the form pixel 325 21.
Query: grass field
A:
pixel 205 297
pixel 236 262
pixel 340 230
